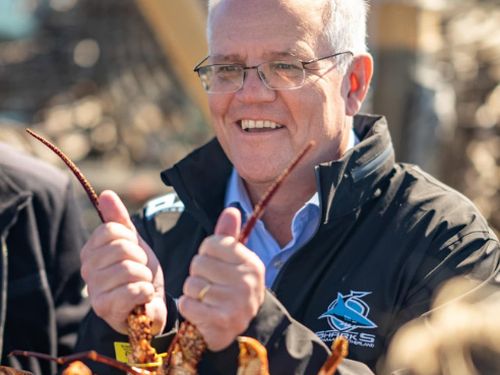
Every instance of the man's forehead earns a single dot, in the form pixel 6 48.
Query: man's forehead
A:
pixel 269 31
pixel 222 11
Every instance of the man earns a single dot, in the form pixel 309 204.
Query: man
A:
pixel 41 302
pixel 352 243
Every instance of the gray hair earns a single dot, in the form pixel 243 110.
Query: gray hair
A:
pixel 345 27
pixel 345 24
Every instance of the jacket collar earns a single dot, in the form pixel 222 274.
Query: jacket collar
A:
pixel 349 182
pixel 200 179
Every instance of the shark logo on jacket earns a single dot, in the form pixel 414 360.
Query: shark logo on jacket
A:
pixel 345 315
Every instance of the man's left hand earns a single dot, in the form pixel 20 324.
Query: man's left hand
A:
pixel 226 285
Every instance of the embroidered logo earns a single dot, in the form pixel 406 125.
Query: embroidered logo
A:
pixel 345 315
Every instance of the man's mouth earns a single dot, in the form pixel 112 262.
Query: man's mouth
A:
pixel 259 125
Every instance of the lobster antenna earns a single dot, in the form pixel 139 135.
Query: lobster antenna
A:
pixel 76 171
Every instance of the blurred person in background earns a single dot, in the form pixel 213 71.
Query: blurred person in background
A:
pixel 352 244
pixel 41 232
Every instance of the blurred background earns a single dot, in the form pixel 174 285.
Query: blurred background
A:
pixel 111 83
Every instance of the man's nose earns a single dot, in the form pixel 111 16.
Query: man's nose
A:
pixel 254 88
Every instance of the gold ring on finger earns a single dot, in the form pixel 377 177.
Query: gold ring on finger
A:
pixel 203 292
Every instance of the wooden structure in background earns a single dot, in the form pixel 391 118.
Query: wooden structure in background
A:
pixel 179 27
pixel 406 26
pixel 404 38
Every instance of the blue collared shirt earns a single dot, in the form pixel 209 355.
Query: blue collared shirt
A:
pixel 304 224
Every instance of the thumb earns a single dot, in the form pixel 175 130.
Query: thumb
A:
pixel 113 209
pixel 229 223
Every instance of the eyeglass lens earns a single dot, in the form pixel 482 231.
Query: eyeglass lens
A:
pixel 274 74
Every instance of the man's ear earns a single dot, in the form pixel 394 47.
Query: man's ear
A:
pixel 358 78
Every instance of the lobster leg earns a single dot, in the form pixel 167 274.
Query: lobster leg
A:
pixel 253 357
pixel 339 352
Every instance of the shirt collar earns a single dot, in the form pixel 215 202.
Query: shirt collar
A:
pixel 236 195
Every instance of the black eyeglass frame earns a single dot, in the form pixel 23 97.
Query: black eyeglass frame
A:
pixel 245 68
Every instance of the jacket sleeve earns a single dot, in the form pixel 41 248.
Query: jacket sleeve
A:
pixel 96 334
pixel 474 255
pixel 67 285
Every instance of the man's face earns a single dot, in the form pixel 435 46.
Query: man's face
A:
pixel 254 31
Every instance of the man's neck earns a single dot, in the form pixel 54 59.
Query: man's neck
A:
pixel 281 209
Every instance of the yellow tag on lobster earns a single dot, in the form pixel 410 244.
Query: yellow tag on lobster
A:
pixel 122 350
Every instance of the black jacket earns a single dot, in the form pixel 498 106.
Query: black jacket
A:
pixel 41 231
pixel 389 236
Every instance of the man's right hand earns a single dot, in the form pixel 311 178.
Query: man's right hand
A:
pixel 121 270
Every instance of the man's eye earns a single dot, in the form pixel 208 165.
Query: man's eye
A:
pixel 284 66
pixel 286 69
pixel 227 69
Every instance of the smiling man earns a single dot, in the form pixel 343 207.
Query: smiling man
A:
pixel 353 243
pixel 277 81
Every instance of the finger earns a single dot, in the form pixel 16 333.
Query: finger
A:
pixel 104 256
pixel 109 235
pixel 229 223
pixel 202 315
pixel 157 311
pixel 115 306
pixel 193 286
pixel 227 249
pixel 93 261
pixel 113 209
pixel 216 336
pixel 123 273
pixel 218 295
pixel 196 311
pixel 106 233
pixel 220 272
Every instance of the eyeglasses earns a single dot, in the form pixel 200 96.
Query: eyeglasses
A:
pixel 276 75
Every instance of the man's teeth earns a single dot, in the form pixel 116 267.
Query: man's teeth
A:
pixel 259 124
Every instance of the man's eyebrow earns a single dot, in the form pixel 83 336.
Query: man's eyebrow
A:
pixel 292 52
pixel 225 58
pixel 280 54
pixel 235 58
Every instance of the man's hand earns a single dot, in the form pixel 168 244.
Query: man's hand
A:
pixel 121 270
pixel 235 276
